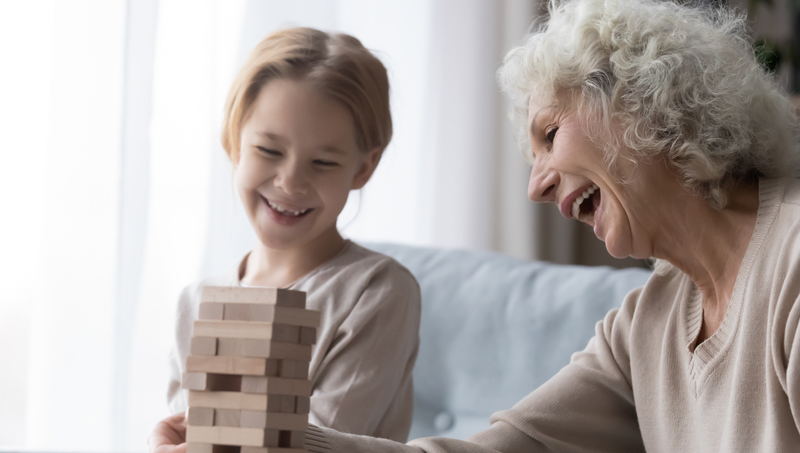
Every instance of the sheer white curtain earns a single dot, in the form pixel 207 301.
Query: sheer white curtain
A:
pixel 60 106
pixel 116 193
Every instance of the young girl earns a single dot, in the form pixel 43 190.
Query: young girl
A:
pixel 306 122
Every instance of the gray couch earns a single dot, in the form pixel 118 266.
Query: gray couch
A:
pixel 495 327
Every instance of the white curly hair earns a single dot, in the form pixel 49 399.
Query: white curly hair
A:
pixel 675 81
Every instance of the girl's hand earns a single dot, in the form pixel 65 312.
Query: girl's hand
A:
pixel 169 435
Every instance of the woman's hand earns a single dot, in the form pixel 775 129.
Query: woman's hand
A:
pixel 169 435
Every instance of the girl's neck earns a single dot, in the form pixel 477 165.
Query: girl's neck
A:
pixel 280 268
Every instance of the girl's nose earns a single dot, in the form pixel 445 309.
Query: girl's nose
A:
pixel 543 184
pixel 291 179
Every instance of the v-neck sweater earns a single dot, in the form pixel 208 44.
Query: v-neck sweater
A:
pixel 641 385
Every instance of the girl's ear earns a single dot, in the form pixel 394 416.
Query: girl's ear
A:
pixel 367 167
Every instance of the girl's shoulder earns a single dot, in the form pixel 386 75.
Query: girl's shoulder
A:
pixel 357 259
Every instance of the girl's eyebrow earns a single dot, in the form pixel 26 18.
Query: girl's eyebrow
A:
pixel 333 150
pixel 271 136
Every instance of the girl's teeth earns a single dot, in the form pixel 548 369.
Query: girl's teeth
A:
pixel 576 205
pixel 283 210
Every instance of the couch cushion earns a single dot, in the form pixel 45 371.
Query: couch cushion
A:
pixel 494 328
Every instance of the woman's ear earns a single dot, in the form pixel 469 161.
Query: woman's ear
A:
pixel 367 167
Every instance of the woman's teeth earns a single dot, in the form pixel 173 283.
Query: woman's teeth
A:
pixel 285 211
pixel 576 205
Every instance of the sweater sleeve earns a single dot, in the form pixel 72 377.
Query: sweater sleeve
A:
pixel 176 397
pixel 364 385
pixel 587 407
pixel 791 347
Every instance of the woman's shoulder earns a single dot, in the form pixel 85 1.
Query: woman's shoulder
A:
pixel 666 283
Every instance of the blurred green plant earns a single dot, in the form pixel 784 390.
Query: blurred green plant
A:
pixel 772 54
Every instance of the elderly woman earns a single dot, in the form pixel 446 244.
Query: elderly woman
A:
pixel 654 123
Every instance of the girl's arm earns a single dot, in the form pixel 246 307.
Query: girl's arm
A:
pixel 363 383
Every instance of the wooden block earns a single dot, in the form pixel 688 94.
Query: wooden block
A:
pixel 308 335
pixel 227 435
pixel 211 310
pixel 272 450
pixel 288 404
pixel 287 369
pixel 247 329
pixel 291 351
pixel 194 381
pixel 241 312
pixel 227 417
pixel 272 438
pixel 270 313
pixel 231 365
pixel 293 439
pixel 210 381
pixel 246 347
pixel 273 420
pixel 286 333
pixel 301 372
pixel 235 400
pixel 203 346
pixel 276 386
pixel 272 296
pixel 200 416
pixel 195 447
pixel 303 405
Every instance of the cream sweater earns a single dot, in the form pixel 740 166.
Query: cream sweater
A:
pixel 366 346
pixel 640 385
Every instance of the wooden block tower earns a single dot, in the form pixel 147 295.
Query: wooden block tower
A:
pixel 247 372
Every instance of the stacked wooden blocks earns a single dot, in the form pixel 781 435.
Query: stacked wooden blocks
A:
pixel 247 372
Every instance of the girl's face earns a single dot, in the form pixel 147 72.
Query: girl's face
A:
pixel 297 164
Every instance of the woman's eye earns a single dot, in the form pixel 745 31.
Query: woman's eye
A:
pixel 551 134
pixel 269 152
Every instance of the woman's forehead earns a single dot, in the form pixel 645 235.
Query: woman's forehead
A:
pixel 540 103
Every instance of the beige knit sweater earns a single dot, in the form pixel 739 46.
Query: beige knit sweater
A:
pixel 640 385
pixel 366 346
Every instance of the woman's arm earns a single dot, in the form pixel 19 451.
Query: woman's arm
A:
pixel 587 407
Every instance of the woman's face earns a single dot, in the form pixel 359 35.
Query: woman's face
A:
pixel 298 162
pixel 568 170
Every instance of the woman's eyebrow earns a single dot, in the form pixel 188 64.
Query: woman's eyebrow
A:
pixel 533 120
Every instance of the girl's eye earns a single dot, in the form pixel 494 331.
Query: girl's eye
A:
pixel 326 163
pixel 269 152
pixel 551 134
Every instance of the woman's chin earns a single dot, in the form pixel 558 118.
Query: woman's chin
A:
pixel 616 247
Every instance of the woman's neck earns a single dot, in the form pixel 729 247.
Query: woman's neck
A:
pixel 280 268
pixel 709 245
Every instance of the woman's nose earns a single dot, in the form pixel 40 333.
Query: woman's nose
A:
pixel 291 179
pixel 543 184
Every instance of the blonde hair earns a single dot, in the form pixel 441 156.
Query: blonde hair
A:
pixel 336 64
pixel 653 79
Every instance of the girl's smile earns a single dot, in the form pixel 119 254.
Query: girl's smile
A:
pixel 285 214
